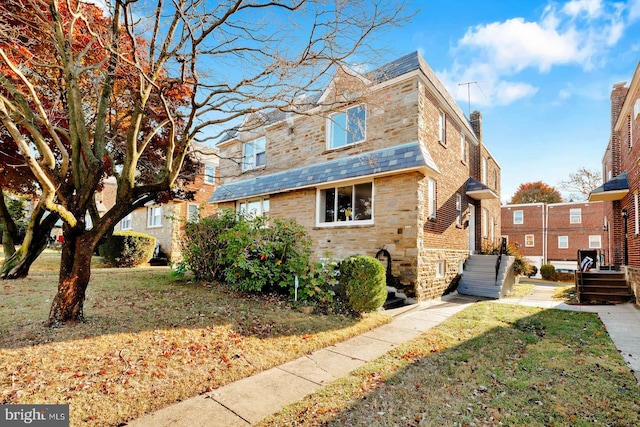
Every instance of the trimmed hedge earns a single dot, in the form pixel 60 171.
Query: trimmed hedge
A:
pixel 363 283
pixel 127 249
pixel 548 272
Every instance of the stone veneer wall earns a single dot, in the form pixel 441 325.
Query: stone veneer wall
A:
pixel 633 275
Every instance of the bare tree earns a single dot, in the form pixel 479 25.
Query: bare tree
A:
pixel 581 183
pixel 87 94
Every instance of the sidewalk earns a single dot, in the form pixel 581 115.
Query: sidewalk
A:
pixel 251 399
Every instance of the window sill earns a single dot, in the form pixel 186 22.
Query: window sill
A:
pixel 154 226
pixel 344 224
pixel 328 150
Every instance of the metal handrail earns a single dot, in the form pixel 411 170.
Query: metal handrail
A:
pixel 503 250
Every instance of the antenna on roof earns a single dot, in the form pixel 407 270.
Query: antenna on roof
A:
pixel 468 95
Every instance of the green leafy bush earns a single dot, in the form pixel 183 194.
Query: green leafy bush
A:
pixel 127 249
pixel 204 246
pixel 521 265
pixel 532 271
pixel 363 283
pixel 548 272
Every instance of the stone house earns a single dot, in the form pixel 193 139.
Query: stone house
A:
pixel 553 233
pixel 165 221
pixel 621 172
pixel 397 167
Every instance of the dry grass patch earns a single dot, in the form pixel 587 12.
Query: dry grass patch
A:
pixel 148 341
pixel 491 364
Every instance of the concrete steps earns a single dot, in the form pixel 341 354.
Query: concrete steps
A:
pixel 479 276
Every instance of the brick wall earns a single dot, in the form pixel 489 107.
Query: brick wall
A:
pixel 592 221
pixel 532 224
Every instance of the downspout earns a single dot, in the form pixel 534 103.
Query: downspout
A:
pixel 545 231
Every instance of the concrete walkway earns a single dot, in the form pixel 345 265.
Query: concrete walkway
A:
pixel 251 399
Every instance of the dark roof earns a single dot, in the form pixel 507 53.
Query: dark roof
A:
pixel 477 190
pixel 393 159
pixel 614 189
pixel 393 69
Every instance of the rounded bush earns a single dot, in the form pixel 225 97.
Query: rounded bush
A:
pixel 127 249
pixel 548 272
pixel 363 283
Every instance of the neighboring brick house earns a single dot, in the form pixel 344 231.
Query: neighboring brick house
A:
pixel 621 170
pixel 165 221
pixel 402 170
pixel 553 233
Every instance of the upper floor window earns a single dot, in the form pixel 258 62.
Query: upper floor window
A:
pixel 495 179
pixel 346 203
pixel 126 223
pixel 432 205
pixel 518 217
pixel 485 222
pixel 563 242
pixel 458 209
pixel 630 130
pixel 347 128
pixel 254 207
pixel 575 216
pixel 595 241
pixel 463 148
pixel 254 153
pixel 154 216
pixel 209 174
pixel 484 171
pixel 442 131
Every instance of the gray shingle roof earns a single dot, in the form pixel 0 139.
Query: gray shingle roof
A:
pixel 402 157
pixel 477 190
pixel 614 189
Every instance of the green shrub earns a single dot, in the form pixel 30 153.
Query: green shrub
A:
pixel 533 270
pixel 521 265
pixel 204 246
pixel 127 249
pixel 363 283
pixel 548 272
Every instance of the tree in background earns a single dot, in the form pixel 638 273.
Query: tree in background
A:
pixel 535 192
pixel 581 183
pixel 87 93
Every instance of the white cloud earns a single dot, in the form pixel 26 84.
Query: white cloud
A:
pixel 579 33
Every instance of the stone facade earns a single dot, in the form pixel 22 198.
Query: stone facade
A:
pixel 422 215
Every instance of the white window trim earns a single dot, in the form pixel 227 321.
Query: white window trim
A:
pixel 533 241
pixel 209 179
pixel 263 202
pixel 253 165
pixel 432 201
pixel 521 217
pixel 485 172
pixel 127 219
pixel 439 268
pixel 560 238
pixel 458 209
pixel 485 222
pixel 442 127
pixel 189 206
pixel 463 148
pixel 597 239
pixel 331 123
pixel 150 210
pixel 575 216
pixel 354 222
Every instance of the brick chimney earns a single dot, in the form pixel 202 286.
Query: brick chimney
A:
pixel 476 124
pixel 618 95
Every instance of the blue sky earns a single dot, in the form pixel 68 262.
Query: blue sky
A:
pixel 544 73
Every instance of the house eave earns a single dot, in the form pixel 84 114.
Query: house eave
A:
pixel 482 194
pixel 608 196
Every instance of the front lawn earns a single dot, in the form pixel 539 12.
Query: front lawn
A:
pixel 148 341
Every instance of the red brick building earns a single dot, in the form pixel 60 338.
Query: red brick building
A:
pixel 553 233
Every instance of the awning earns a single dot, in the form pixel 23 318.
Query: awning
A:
pixel 614 189
pixel 478 191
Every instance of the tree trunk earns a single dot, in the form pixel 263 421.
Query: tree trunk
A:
pixel 75 272
pixel 17 266
pixel 9 229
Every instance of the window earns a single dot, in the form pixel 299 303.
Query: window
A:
pixel 346 203
pixel 595 241
pixel 440 268
pixel 518 217
pixel 193 212
pixel 463 148
pixel 630 130
pixel 485 222
pixel 442 131
pixel 563 242
pixel 575 216
pixel 432 205
pixel 254 154
pixel 495 179
pixel 154 216
pixel 347 128
pixel 209 174
pixel 529 240
pixel 254 207
pixel 458 209
pixel 127 222
pixel 484 171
